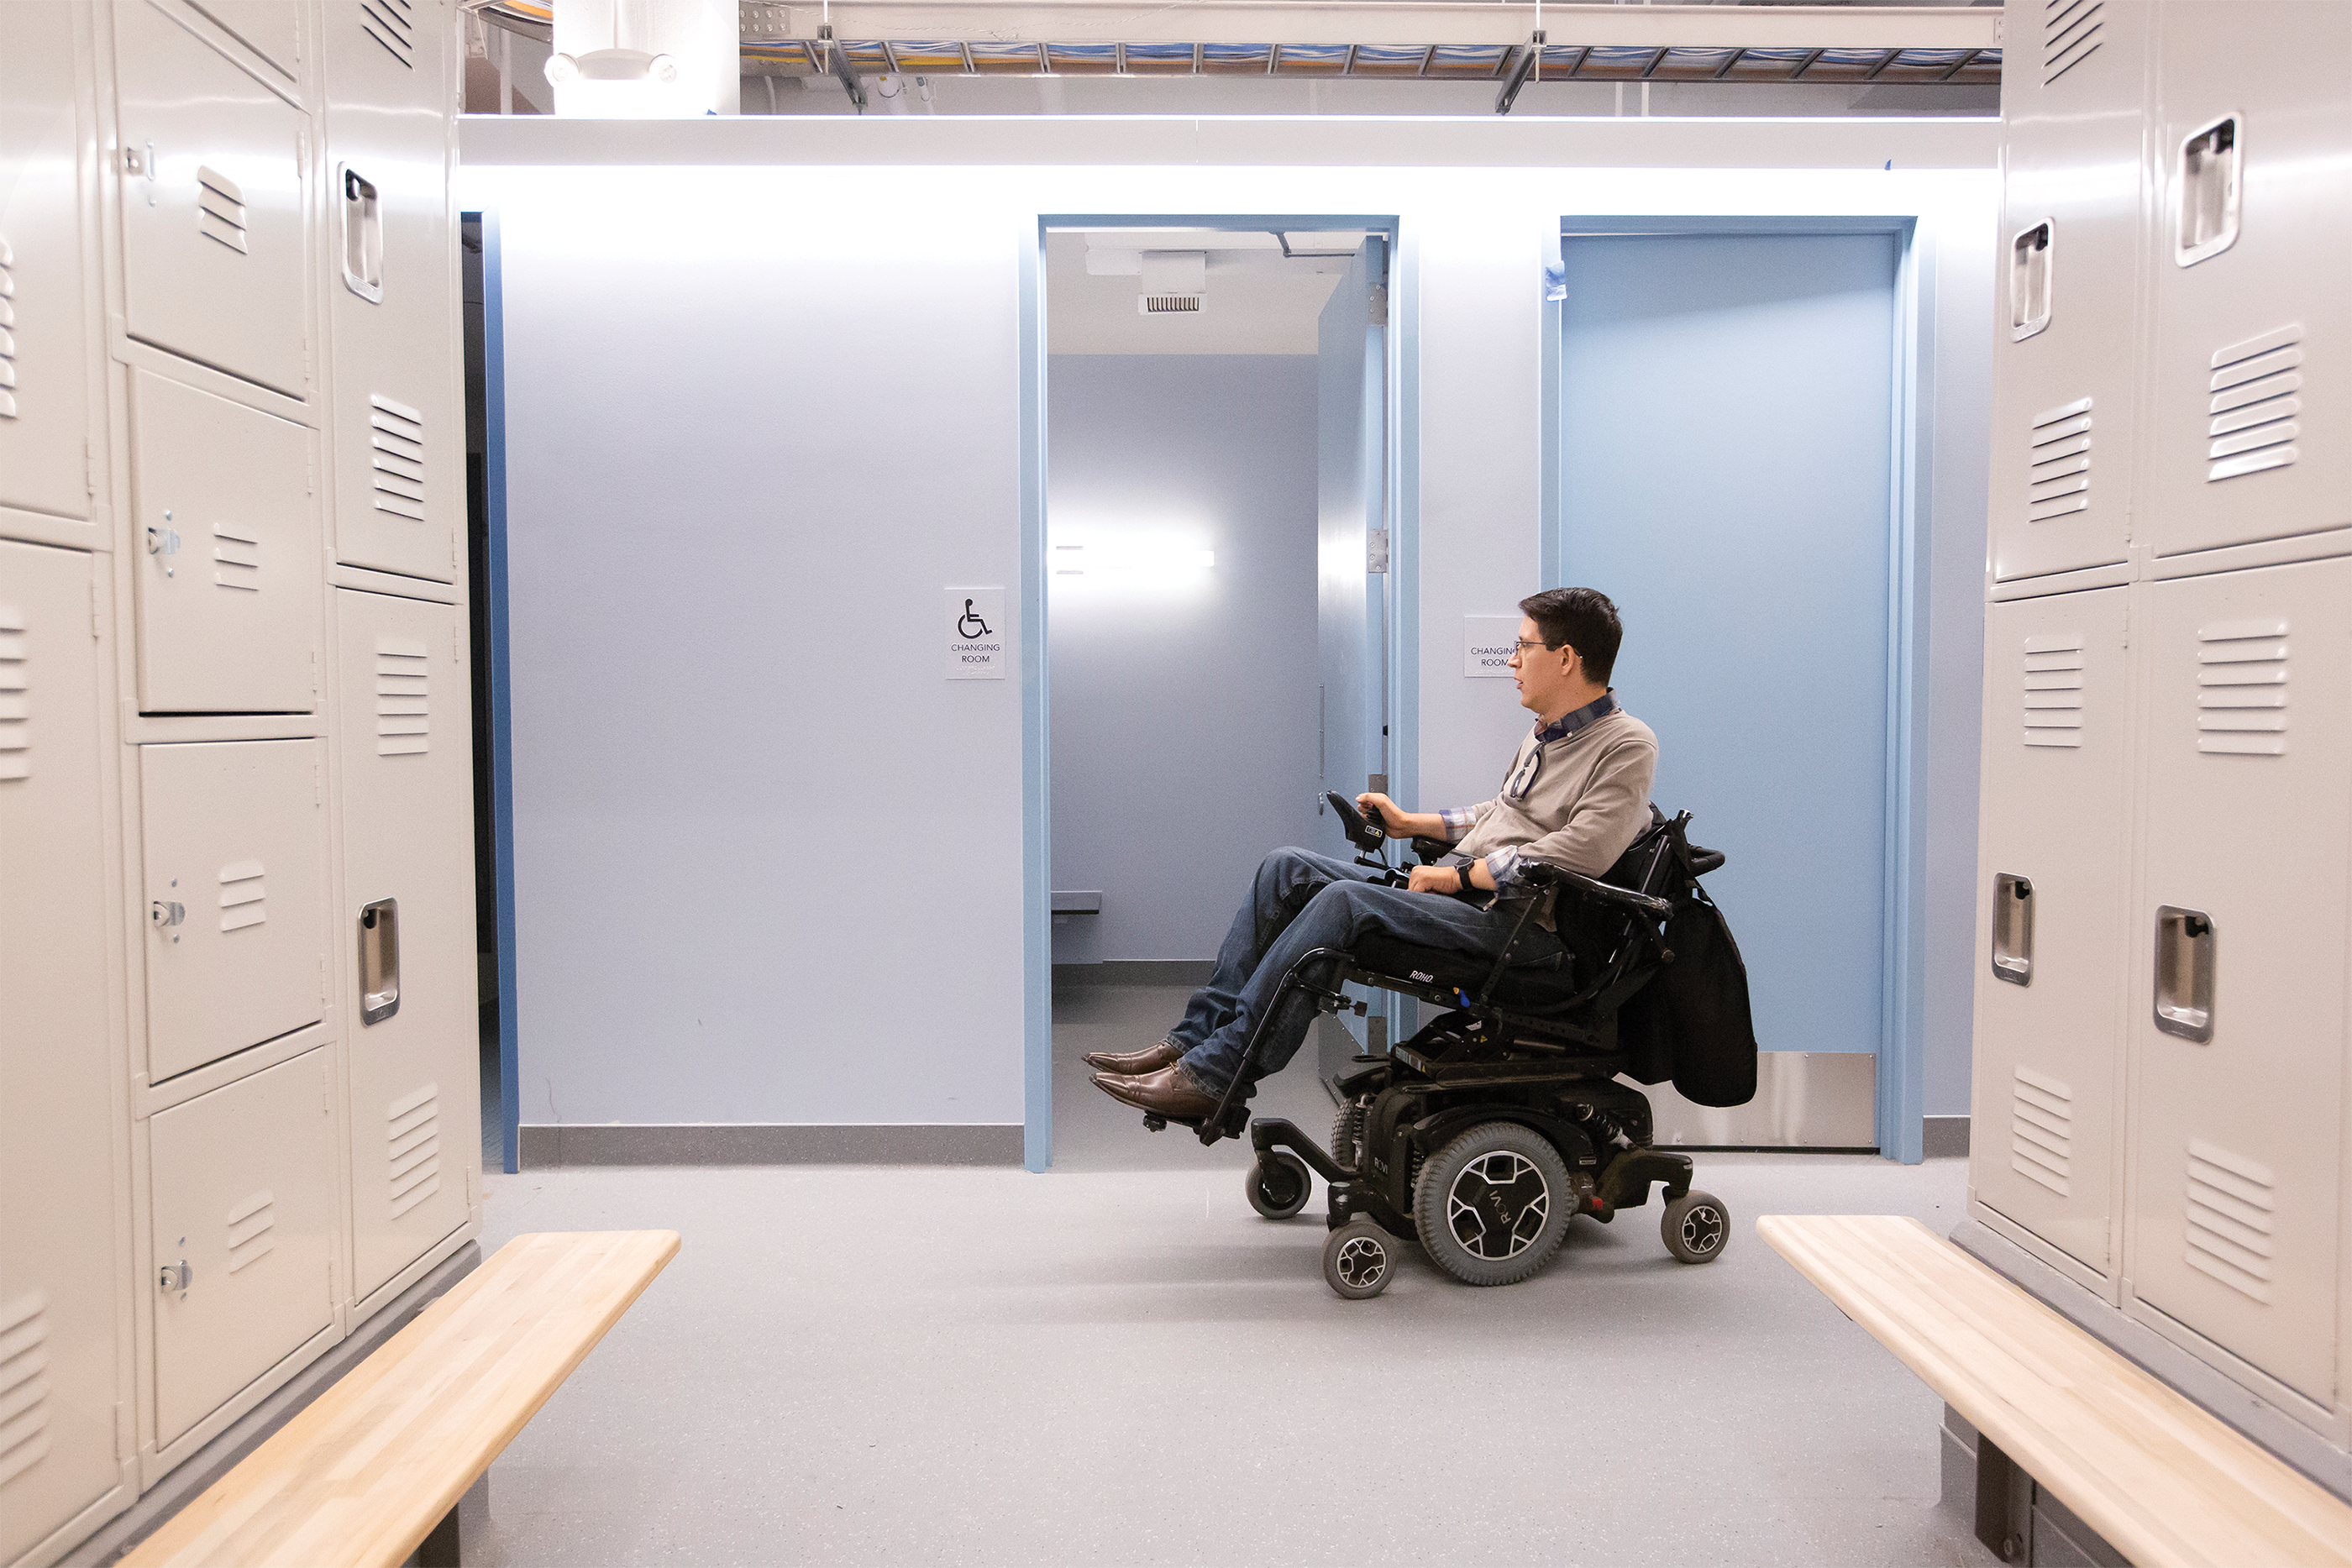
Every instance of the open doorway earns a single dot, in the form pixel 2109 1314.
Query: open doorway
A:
pixel 1216 407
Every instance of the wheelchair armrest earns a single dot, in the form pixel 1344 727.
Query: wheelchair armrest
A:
pixel 1704 861
pixel 1429 851
pixel 1541 875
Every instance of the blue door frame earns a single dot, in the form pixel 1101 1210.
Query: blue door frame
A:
pixel 1036 741
pixel 1902 1057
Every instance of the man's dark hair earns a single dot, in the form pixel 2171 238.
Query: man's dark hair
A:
pixel 1582 618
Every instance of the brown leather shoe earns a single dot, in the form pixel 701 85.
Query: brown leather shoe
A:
pixel 1133 1063
pixel 1170 1092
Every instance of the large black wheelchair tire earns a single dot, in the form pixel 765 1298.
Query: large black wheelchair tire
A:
pixel 1348 1134
pixel 1278 1185
pixel 1494 1203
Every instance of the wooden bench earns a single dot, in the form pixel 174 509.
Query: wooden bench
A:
pixel 2162 1479
pixel 365 1472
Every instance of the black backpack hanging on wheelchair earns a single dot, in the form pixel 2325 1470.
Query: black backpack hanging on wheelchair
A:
pixel 1505 1116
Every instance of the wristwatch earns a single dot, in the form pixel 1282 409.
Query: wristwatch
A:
pixel 1462 883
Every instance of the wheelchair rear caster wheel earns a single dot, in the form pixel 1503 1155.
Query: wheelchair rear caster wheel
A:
pixel 1278 1185
pixel 1695 1226
pixel 1358 1260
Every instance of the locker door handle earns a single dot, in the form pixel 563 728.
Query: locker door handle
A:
pixel 175 1277
pixel 2013 929
pixel 362 236
pixel 2030 258
pixel 379 960
pixel 2206 186
pixel 2184 973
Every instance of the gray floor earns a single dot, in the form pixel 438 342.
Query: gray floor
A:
pixel 1118 1363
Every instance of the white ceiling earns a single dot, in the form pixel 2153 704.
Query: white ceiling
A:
pixel 1255 300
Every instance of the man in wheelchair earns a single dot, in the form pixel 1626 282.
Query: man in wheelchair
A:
pixel 1576 796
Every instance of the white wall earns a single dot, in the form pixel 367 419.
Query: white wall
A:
pixel 764 402
pixel 1183 700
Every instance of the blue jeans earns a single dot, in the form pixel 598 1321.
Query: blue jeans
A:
pixel 1301 901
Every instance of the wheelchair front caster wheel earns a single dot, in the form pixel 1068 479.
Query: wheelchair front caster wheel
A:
pixel 1278 1185
pixel 1358 1260
pixel 1695 1226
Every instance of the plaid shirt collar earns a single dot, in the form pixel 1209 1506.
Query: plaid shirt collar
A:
pixel 1567 724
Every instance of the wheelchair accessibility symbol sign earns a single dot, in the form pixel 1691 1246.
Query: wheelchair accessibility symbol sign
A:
pixel 977 646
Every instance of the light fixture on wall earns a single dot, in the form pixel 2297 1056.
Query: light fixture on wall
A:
pixel 1135 562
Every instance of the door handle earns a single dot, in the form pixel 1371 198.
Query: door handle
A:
pixel 2184 973
pixel 379 960
pixel 2030 258
pixel 2206 224
pixel 2013 929
pixel 362 236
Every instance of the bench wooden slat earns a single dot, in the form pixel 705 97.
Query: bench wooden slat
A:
pixel 362 1474
pixel 2162 1479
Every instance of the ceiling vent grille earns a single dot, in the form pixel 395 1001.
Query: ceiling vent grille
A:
pixel 2253 405
pixel 24 1391
pixel 16 697
pixel 220 209
pixel 2230 1213
pixel 252 1230
pixel 396 432
pixel 2070 35
pixel 7 330
pixel 392 24
pixel 402 700
pixel 413 1148
pixel 2241 688
pixel 1168 304
pixel 236 561
pixel 2058 478
pixel 2054 690
pixel 2041 1131
pixel 244 899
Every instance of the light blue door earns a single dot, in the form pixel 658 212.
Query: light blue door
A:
pixel 1726 440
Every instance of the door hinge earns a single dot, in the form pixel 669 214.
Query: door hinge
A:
pixel 2126 618
pixel 96 626
pixel 314 677
pixel 453 549
pixel 89 465
pixel 318 784
pixel 1376 553
pixel 456 642
pixel 1379 304
pixel 323 999
pixel 125 1441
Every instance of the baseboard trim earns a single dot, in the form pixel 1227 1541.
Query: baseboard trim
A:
pixel 546 1147
pixel 1944 1137
pixel 188 1478
pixel 1188 972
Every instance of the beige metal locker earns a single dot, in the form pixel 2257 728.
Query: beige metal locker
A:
pixel 210 165
pixel 2063 420
pixel 400 441
pixel 2054 927
pixel 234 857
pixel 44 350
pixel 2239 1025
pixel 271 28
pixel 228 567
pixel 242 1187
pixel 2250 432
pixel 59 1251
pixel 408 923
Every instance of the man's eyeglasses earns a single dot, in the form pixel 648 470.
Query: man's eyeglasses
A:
pixel 1524 644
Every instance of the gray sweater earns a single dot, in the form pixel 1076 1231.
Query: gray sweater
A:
pixel 1587 802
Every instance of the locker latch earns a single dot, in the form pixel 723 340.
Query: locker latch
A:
pixel 166 913
pixel 164 541
pixel 175 1278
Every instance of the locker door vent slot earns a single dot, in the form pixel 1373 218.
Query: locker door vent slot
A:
pixel 2252 404
pixel 16 697
pixel 220 209
pixel 2041 1131
pixel 2206 182
pixel 379 960
pixel 2058 478
pixel 2054 690
pixel 397 433
pixel 362 236
pixel 413 1148
pixel 2231 1212
pixel 2013 929
pixel 2029 281
pixel 401 701
pixel 236 561
pixel 24 1391
pixel 7 330
pixel 243 897
pixel 2241 688
pixel 391 24
pixel 2070 35
pixel 2184 973
pixel 250 1227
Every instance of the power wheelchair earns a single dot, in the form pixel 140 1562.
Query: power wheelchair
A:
pixel 1496 1123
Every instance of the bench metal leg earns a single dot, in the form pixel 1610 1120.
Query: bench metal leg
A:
pixel 2000 1489
pixel 467 1521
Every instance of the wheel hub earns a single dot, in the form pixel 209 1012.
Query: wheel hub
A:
pixel 1703 1228
pixel 1497 1205
pixel 1361 1261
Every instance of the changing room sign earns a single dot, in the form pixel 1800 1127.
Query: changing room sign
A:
pixel 978 646
pixel 1488 643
